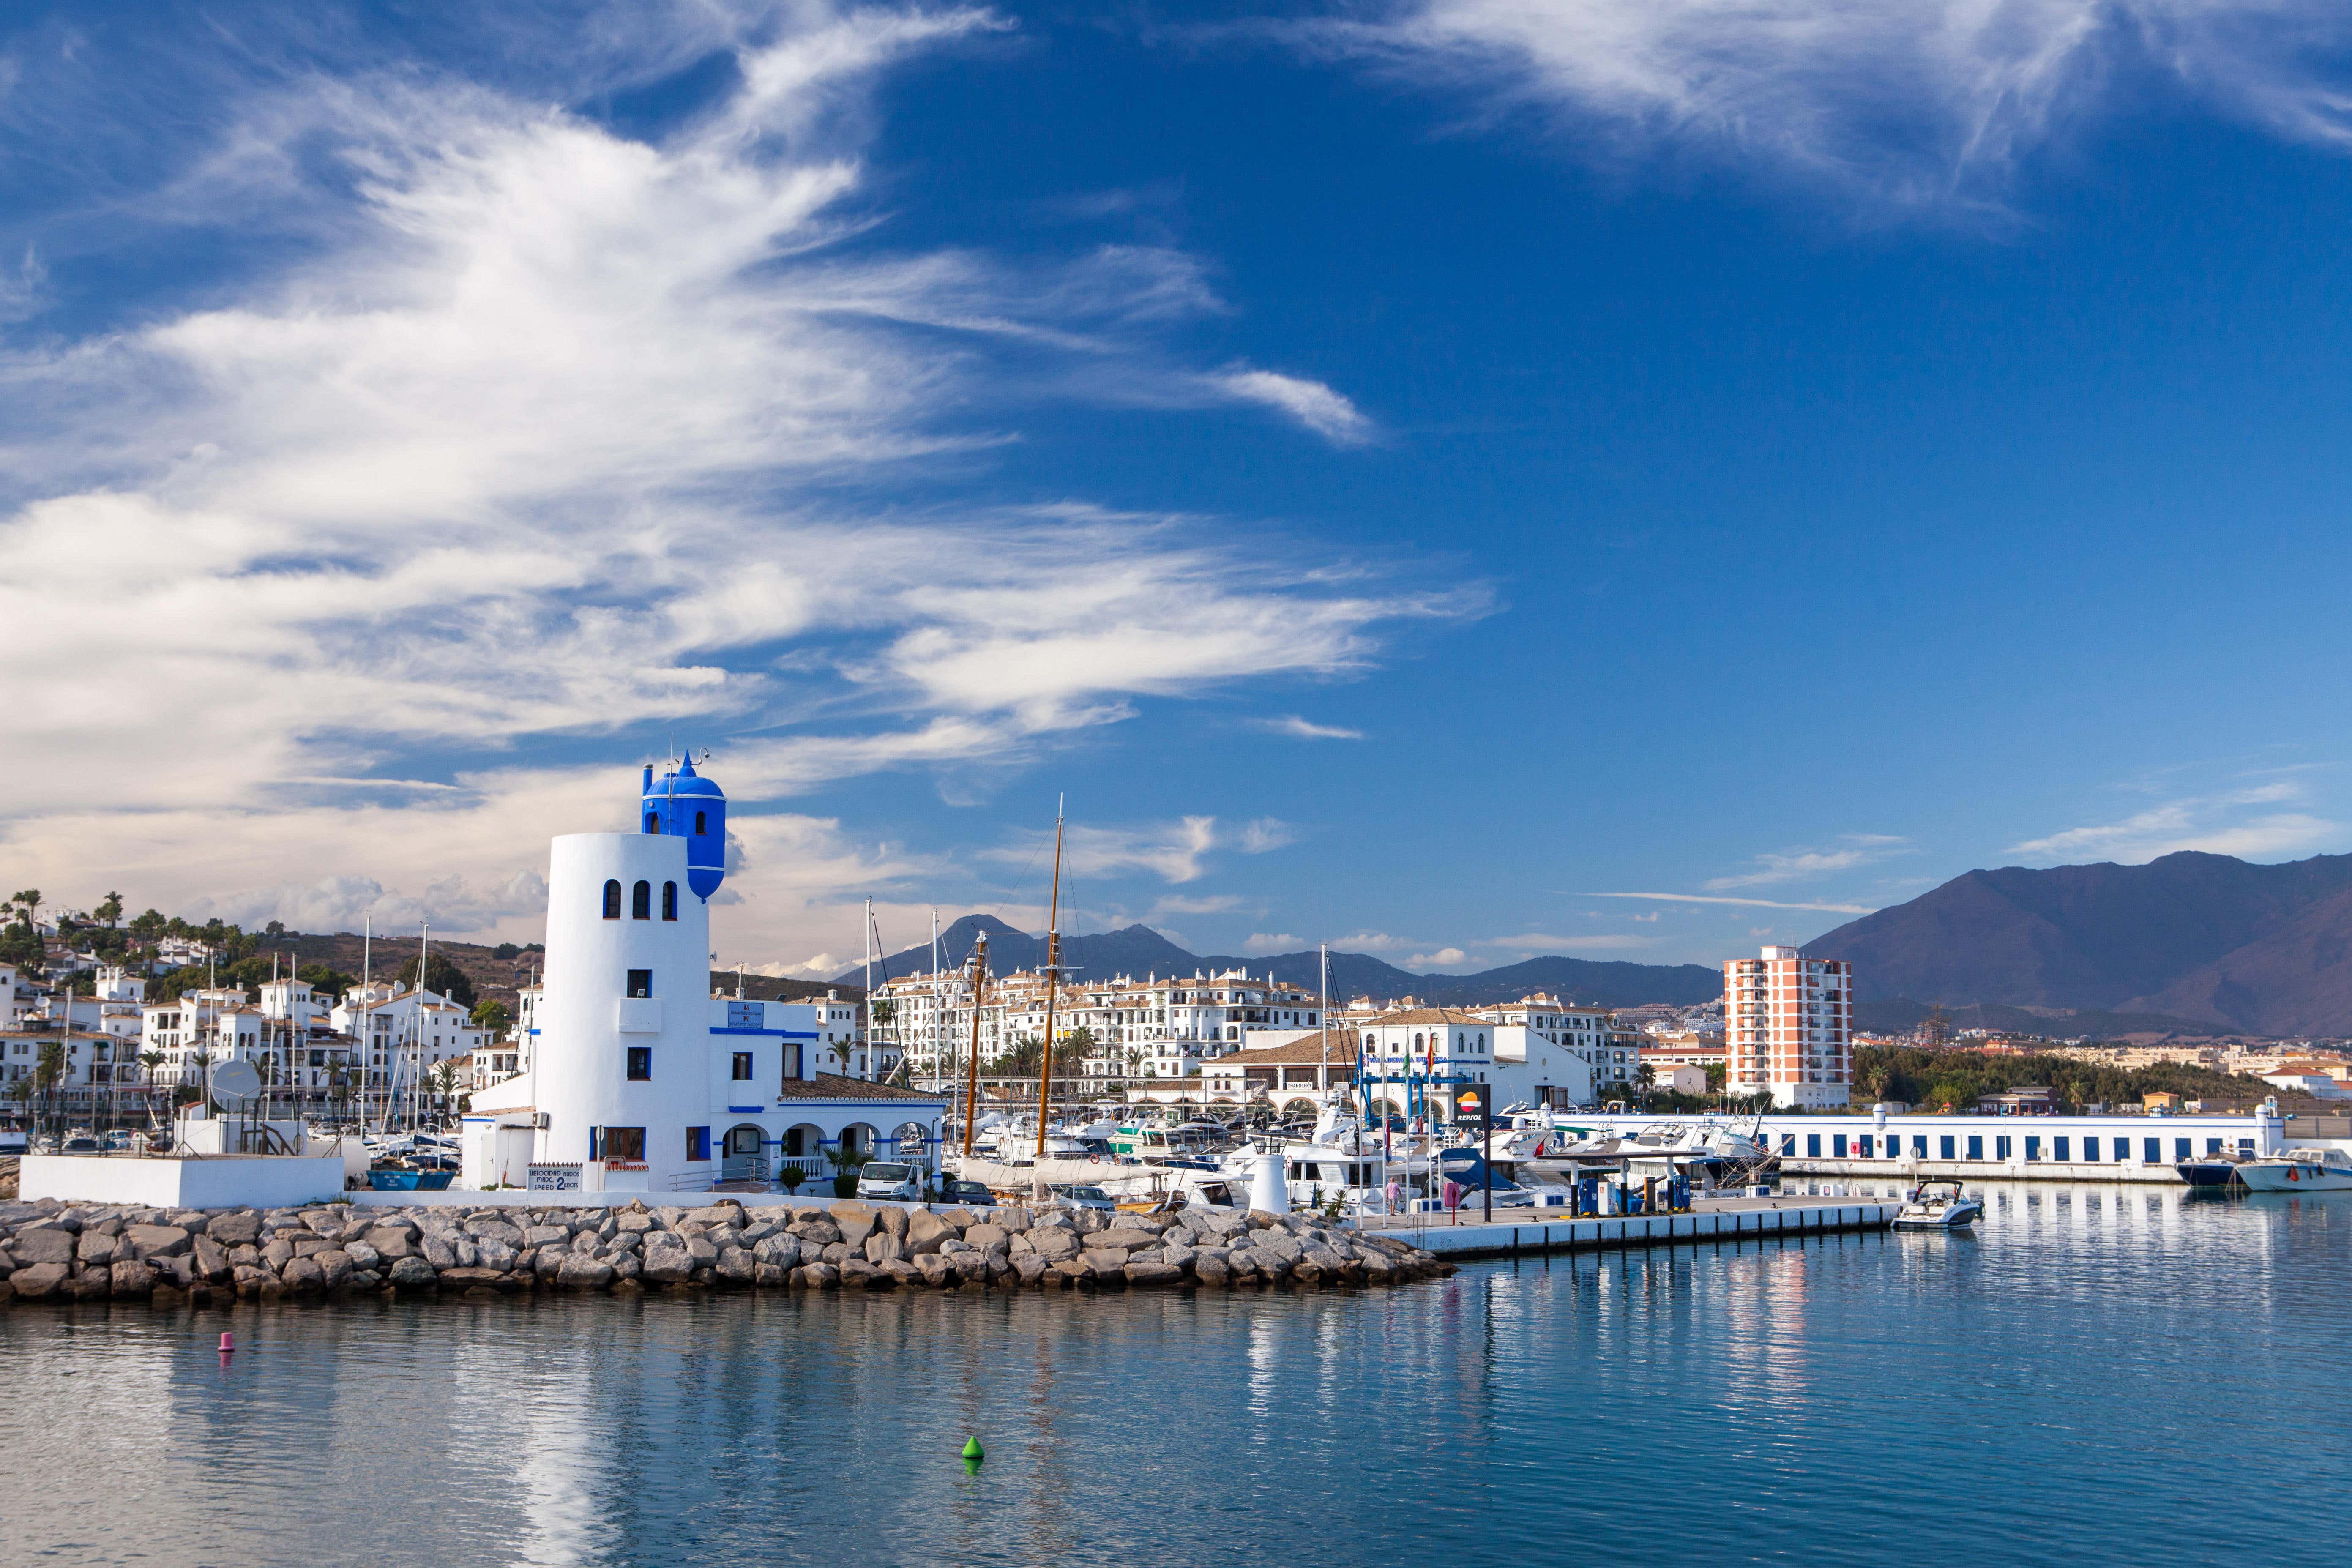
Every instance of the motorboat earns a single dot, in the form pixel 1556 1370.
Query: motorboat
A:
pixel 2213 1170
pixel 2299 1171
pixel 1939 1205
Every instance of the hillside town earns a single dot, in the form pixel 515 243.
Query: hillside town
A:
pixel 112 1020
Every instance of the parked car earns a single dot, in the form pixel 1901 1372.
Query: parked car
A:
pixel 80 1143
pixel 952 1191
pixel 891 1179
pixel 1083 1198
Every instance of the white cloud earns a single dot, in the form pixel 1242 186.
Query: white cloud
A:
pixel 538 434
pixel 1180 904
pixel 1277 942
pixel 2203 823
pixel 1372 941
pixel 1744 903
pixel 1299 729
pixel 1541 942
pixel 1910 103
pixel 1867 848
pixel 1312 404
pixel 1265 834
pixel 1444 958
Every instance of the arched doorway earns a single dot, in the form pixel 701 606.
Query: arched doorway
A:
pixel 910 1141
pixel 802 1150
pixel 743 1154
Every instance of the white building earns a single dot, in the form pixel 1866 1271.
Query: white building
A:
pixel 407 1033
pixel 1788 1022
pixel 640 1078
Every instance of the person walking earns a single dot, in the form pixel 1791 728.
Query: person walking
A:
pixel 1396 1195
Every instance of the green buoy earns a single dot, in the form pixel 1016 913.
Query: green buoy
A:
pixel 972 1452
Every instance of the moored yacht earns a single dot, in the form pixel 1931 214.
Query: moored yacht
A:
pixel 2299 1171
pixel 1939 1205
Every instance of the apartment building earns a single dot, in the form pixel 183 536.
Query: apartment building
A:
pixel 1161 1026
pixel 1788 1025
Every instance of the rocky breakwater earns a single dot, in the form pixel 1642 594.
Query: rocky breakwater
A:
pixel 54 1252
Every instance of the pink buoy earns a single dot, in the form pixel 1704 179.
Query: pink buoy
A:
pixel 228 1345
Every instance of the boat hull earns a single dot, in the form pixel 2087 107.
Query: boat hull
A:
pixel 2296 1176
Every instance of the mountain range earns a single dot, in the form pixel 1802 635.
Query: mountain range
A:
pixel 1138 950
pixel 2249 948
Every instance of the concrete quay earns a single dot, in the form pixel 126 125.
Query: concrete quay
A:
pixel 1529 1231
pixel 52 1251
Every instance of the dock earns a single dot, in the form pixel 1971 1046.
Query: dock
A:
pixel 1529 1232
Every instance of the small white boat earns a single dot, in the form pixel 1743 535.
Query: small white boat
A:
pixel 1937 1206
pixel 2299 1171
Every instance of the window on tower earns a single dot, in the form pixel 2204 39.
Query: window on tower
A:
pixel 641 901
pixel 698 824
pixel 612 900
pixel 652 823
pixel 669 900
pixel 641 1063
pixel 641 982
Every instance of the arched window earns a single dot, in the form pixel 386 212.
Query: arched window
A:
pixel 652 823
pixel 1416 1042
pixel 669 900
pixel 612 900
pixel 641 901
pixel 698 824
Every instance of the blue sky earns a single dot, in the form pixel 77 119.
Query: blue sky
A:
pixel 1454 480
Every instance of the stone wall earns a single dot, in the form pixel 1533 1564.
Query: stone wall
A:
pixel 50 1252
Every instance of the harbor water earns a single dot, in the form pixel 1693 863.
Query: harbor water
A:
pixel 2098 1375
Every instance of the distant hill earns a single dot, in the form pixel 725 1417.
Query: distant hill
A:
pixel 2208 938
pixel 1139 951
pixel 1902 1016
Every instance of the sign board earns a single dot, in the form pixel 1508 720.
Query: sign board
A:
pixel 551 1178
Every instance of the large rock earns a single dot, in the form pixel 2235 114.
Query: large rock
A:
pixel 884 1248
pixel 735 1265
pixel 278 1253
pixel 1090 1221
pixel 464 1278
pixel 1278 1243
pixel 985 1236
pixel 96 1249
pixel 300 1273
pixel 1072 1269
pixel 900 1271
pixel 925 1231
pixel 782 1250
pixel 40 1281
pixel 636 1224
pixel 392 1241
pixel 1153 1274
pixel 1124 1239
pixel 855 1272
pixel 891 1220
pixel 483 1230
pixel 130 1277
pixel 310 1245
pixel 334 1267
pixel 1210 1269
pixel 1053 1245
pixel 578 1273
pixel 817 1228
pixel 537 1236
pixel 411 1272
pixel 48 1244
pixel 818 1276
pixel 935 1269
pixel 156 1241
pixel 667 1264
pixel 1106 1267
pixel 855 1219
pixel 700 1249
pixel 496 1255
pixel 439 1253
pixel 212 1259
pixel 1030 1267
pixel 235 1228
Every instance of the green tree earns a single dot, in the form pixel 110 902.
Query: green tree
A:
pixel 441 977
pixel 492 1016
pixel 110 910
pixel 29 901
pixel 49 1070
pixel 147 925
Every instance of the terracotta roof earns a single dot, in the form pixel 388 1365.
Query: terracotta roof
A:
pixel 1308 1052
pixel 835 1086
pixel 1427 1015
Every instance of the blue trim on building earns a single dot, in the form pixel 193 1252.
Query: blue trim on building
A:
pixel 786 1034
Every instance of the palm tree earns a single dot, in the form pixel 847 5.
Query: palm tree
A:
pixel 149 1061
pixel 50 1069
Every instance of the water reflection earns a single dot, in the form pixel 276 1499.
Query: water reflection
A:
pixel 1741 1400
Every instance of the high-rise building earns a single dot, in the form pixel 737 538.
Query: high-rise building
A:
pixel 1788 1026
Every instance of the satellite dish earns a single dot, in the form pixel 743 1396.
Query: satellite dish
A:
pixel 236 1081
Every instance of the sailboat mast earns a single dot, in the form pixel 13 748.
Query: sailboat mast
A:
pixel 1053 987
pixel 366 1013
pixel 972 1087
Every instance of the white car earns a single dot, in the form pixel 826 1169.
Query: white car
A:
pixel 891 1179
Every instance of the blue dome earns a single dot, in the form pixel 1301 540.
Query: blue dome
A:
pixel 682 804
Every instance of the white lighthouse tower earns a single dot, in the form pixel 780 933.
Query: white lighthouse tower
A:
pixel 625 1030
